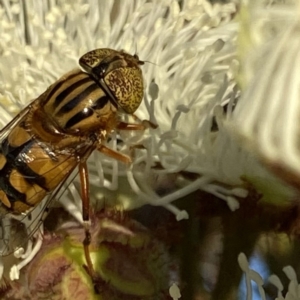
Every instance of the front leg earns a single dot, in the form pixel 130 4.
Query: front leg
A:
pixel 142 125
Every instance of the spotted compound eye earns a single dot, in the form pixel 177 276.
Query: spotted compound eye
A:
pixel 119 74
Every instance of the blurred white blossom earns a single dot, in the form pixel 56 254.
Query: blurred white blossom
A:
pixel 265 119
pixel 266 116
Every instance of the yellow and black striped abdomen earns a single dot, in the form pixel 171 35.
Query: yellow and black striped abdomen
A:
pixel 28 171
pixel 77 104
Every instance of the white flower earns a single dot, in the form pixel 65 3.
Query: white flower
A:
pixel 293 292
pixel 266 116
pixel 251 275
pixel 192 60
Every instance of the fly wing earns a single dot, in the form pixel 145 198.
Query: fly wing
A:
pixel 7 128
pixel 17 230
pixel 32 175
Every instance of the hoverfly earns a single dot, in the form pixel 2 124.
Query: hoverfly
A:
pixel 60 129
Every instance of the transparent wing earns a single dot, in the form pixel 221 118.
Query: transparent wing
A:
pixel 35 172
pixel 7 128
pixel 17 230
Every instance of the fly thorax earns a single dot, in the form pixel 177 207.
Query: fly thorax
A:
pixel 90 118
pixel 77 104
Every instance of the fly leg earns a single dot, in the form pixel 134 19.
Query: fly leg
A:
pixel 136 126
pixel 142 125
pixel 114 154
pixel 146 123
pixel 84 180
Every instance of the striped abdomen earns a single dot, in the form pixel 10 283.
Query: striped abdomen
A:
pixel 28 171
pixel 76 103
